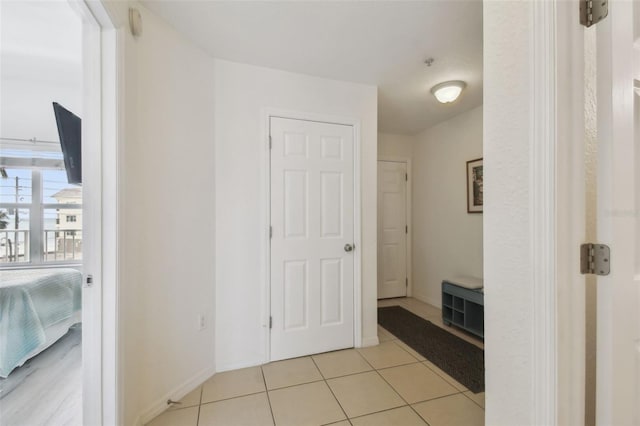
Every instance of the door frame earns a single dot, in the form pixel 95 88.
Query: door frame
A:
pixel 103 66
pixel 557 199
pixel 408 212
pixel 267 114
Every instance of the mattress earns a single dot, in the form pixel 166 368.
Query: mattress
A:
pixel 37 306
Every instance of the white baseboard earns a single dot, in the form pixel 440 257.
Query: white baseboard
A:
pixel 423 298
pixel 239 365
pixel 370 341
pixel 176 394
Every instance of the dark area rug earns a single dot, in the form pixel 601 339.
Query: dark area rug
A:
pixel 458 358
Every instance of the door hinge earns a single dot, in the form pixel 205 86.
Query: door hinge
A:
pixel 593 11
pixel 406 229
pixel 595 259
pixel 270 142
pixel 406 177
pixel 270 322
pixel 271 232
pixel 406 282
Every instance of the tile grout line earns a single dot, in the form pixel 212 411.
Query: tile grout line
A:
pixel 292 386
pixel 401 397
pixel 200 404
pixel 438 397
pixel 465 394
pixel 365 360
pixel 441 375
pixel 350 374
pixel 264 380
pixel 330 390
pixel 231 397
pixel 390 409
pixel 377 371
pixel 458 391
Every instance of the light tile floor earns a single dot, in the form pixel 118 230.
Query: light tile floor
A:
pixel 388 384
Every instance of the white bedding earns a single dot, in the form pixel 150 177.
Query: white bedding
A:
pixel 37 307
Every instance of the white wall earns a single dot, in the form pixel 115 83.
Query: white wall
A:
pixel 447 241
pixel 242 94
pixel 167 225
pixel 41 62
pixel 507 256
pixel 394 145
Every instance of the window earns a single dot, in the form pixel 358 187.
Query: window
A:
pixel 40 217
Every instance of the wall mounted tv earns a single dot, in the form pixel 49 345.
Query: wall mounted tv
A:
pixel 70 132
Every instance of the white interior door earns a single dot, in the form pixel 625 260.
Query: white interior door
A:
pixel 92 266
pixel 618 311
pixel 312 258
pixel 392 229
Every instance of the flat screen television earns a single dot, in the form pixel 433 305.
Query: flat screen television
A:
pixel 70 132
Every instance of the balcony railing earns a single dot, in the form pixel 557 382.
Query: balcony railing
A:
pixel 14 246
pixel 62 245
pixel 58 245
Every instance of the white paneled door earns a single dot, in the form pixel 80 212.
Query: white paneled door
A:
pixel 392 229
pixel 312 242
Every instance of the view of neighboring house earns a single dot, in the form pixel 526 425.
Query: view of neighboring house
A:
pixel 68 229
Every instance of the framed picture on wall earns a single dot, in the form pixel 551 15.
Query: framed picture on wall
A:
pixel 475 187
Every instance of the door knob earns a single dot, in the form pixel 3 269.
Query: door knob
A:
pixel 348 247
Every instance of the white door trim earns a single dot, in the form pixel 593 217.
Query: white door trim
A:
pixel 106 74
pixel 542 207
pixel 556 187
pixel 267 114
pixel 409 195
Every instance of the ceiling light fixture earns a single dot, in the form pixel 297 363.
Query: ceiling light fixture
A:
pixel 448 91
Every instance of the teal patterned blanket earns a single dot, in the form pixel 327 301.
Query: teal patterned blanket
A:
pixel 31 300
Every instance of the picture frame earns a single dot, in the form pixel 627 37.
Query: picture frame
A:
pixel 475 186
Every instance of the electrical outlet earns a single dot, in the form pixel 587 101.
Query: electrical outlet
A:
pixel 202 323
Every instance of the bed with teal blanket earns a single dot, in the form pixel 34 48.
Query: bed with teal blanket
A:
pixel 37 307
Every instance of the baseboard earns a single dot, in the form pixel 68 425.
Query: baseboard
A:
pixel 370 341
pixel 423 298
pixel 176 394
pixel 239 365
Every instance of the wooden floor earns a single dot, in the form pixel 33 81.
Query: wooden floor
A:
pixel 47 389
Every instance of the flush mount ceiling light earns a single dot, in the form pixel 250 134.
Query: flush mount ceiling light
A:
pixel 448 91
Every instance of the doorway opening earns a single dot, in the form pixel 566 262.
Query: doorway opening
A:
pixel 430 224
pixel 50 222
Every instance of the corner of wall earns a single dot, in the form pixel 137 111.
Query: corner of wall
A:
pixel 158 406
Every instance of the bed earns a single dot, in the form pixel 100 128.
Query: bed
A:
pixel 37 307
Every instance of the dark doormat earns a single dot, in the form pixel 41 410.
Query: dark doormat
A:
pixel 458 358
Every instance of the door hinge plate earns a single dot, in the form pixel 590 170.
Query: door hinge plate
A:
pixel 406 229
pixel 270 142
pixel 593 11
pixel 271 232
pixel 595 259
pixel 406 282
pixel 270 322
